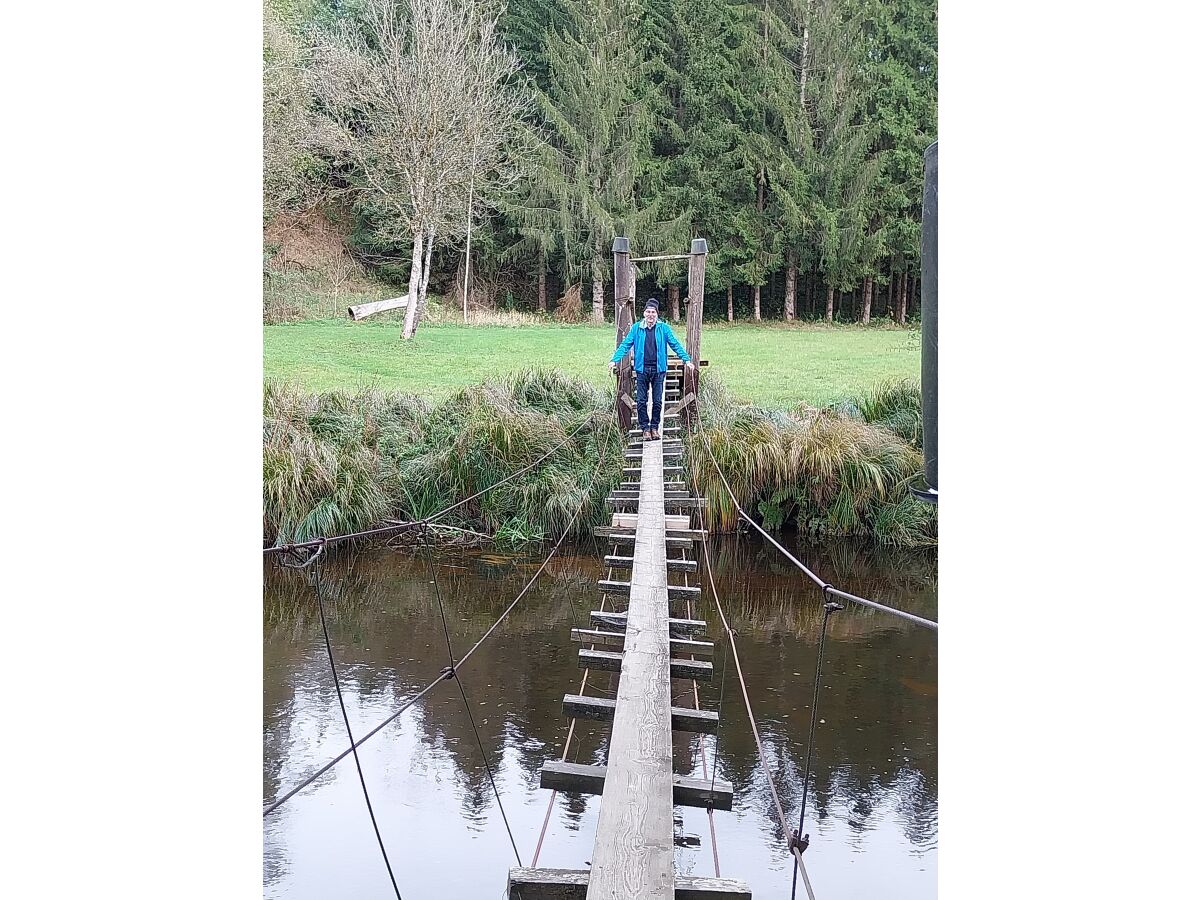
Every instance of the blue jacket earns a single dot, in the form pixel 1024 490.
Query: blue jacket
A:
pixel 637 339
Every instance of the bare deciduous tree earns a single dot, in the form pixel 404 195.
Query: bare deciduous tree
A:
pixel 296 141
pixel 423 99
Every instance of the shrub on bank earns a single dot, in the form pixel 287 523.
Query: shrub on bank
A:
pixel 339 462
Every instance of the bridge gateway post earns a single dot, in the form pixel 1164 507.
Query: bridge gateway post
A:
pixel 623 306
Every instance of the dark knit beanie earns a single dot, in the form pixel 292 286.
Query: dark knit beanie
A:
pixel 652 302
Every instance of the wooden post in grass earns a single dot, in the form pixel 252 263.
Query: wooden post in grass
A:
pixel 623 307
pixel 695 318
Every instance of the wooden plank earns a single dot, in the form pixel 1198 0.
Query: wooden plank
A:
pixel 673 565
pixel 559 775
pixel 362 310
pixel 572 884
pixel 625 494
pixel 674 591
pixel 634 853
pixel 637 470
pixel 610 661
pixel 625 536
pixel 676 627
pixel 673 523
pixel 617 639
pixel 667 485
pixel 603 709
pixel 668 502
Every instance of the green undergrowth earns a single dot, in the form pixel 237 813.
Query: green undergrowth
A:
pixel 340 462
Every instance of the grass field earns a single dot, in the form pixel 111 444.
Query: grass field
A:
pixel 768 365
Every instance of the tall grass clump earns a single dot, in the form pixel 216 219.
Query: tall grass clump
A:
pixel 831 472
pixel 339 462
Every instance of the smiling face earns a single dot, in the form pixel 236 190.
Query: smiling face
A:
pixel 651 315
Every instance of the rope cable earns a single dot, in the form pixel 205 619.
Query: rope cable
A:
pixel 429 687
pixel 463 691
pixel 346 718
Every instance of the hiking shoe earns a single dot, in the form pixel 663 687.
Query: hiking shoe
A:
pixel 646 436
pixel 654 434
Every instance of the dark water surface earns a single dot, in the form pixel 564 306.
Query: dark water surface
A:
pixel 872 809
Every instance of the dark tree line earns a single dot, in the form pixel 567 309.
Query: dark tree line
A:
pixel 789 133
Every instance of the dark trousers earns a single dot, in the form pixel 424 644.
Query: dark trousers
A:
pixel 646 380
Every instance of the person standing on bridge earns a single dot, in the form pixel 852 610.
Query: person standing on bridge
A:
pixel 649 340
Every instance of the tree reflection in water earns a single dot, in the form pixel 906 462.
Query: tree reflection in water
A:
pixel 875 759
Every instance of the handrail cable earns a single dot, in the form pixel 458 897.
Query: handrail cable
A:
pixel 762 755
pixel 824 585
pixel 429 687
pixel 437 591
pixel 404 526
pixel 345 717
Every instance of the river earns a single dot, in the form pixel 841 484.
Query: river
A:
pixel 872 811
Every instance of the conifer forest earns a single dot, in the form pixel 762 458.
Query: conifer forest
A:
pixel 524 136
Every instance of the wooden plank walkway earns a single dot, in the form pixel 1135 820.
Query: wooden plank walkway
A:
pixel 634 854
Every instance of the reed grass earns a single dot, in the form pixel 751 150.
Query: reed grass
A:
pixel 340 462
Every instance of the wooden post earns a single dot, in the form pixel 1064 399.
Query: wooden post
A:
pixel 695 297
pixel 623 307
pixel 695 318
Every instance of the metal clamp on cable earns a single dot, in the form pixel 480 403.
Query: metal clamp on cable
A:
pixel 448 673
pixel 831 606
pixel 795 842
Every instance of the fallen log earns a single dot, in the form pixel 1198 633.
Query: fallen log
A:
pixel 369 309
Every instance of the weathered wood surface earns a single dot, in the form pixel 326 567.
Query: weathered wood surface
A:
pixel 676 627
pixel 362 310
pixel 610 661
pixel 667 485
pixel 625 536
pixel 633 494
pixel 673 565
pixel 695 297
pixel 572 884
pixel 605 709
pixel 634 853
pixel 668 502
pixel 603 638
pixel 637 470
pixel 686 791
pixel 673 523
pixel 624 588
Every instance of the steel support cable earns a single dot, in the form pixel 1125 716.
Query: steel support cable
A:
pixel 463 691
pixel 405 526
pixel 537 851
pixel 712 827
pixel 824 585
pixel 425 690
pixel 346 718
pixel 762 755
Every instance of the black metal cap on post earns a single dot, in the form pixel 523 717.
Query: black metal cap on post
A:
pixel 929 338
pixel 620 245
pixel 699 245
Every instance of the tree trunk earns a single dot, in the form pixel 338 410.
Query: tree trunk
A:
pixel 868 294
pixel 891 297
pixel 425 279
pixel 673 296
pixel 414 285
pixel 597 285
pixel 809 278
pixel 757 303
pixel 729 301
pixel 829 305
pixel 542 283
pixel 789 287
pixel 902 299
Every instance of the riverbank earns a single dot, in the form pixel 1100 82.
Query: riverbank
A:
pixel 340 462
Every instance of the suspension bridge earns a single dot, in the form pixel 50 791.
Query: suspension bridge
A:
pixel 645 631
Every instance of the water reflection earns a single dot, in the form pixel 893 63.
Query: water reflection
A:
pixel 872 808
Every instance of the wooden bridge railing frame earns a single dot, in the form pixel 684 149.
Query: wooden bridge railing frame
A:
pixel 624 302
